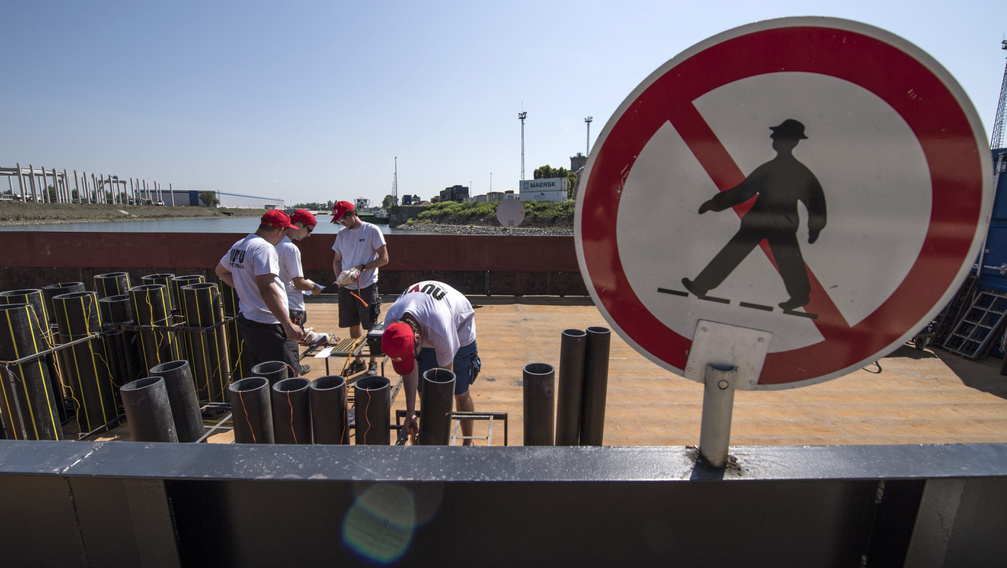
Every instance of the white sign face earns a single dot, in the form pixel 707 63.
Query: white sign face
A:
pixel 768 178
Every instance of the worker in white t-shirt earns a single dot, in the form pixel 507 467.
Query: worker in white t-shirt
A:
pixel 252 268
pixel 358 251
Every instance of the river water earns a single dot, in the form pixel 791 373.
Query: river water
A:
pixel 241 225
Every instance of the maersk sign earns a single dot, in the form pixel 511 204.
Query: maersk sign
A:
pixel 549 189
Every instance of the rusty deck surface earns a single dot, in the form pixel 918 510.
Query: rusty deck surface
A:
pixel 908 397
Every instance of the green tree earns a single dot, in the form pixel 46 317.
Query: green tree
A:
pixel 388 202
pixel 209 198
pixel 547 171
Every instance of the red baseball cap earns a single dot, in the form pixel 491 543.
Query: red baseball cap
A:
pixel 277 218
pixel 340 209
pixel 304 216
pixel 398 342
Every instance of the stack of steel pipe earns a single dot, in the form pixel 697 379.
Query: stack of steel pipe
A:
pixel 436 402
pixel 583 387
pixel 240 366
pixel 329 416
pixel 85 363
pixel 206 348
pixel 111 284
pixel 291 411
pixel 29 405
pixel 151 310
pixel 181 399
pixel 539 390
pixel 35 299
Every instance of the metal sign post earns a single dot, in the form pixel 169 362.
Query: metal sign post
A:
pixel 725 358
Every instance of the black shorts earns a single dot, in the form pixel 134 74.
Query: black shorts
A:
pixel 359 307
pixel 267 342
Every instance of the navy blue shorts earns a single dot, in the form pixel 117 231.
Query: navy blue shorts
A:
pixel 467 365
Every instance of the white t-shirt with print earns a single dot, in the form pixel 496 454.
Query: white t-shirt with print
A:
pixel 250 257
pixel 290 268
pixel 359 246
pixel 445 314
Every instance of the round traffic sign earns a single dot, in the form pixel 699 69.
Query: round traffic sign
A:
pixel 819 179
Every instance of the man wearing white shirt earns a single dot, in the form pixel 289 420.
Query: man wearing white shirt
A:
pixel 359 248
pixel 252 268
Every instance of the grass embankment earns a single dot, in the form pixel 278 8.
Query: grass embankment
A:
pixel 18 213
pixel 537 214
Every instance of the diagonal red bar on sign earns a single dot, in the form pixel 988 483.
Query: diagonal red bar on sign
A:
pixel 725 174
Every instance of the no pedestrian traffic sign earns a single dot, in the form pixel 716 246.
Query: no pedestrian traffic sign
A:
pixel 819 179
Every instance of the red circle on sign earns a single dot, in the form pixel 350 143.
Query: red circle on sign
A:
pixel 947 134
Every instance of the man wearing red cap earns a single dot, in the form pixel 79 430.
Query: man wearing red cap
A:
pixel 252 268
pixel 291 272
pixel 359 250
pixel 433 326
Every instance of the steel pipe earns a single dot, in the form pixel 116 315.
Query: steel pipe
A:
pixel 570 395
pixel 206 349
pixel 175 284
pixel 273 371
pixel 163 278
pixel 251 411
pixel 182 397
pixel 148 411
pixel 718 407
pixel 539 389
pixel 122 350
pixel 85 364
pixel 371 401
pixel 150 305
pixel 111 284
pixel 291 411
pixel 29 404
pixel 329 418
pixel 592 423
pixel 240 366
pixel 436 402
pixel 53 290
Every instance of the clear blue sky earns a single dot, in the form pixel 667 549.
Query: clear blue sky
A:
pixel 312 101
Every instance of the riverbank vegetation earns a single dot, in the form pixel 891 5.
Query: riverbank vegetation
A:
pixel 537 214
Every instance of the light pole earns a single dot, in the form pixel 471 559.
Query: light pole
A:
pixel 587 152
pixel 521 115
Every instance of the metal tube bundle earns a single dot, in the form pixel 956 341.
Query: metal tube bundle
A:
pixel 122 349
pixel 150 304
pixel 240 366
pixel 111 284
pixel 592 425
pixel 29 404
pixel 330 422
pixel 148 411
pixel 371 400
pixel 182 398
pixel 539 386
pixel 34 298
pixel 572 351
pixel 207 348
pixel 291 411
pixel 251 411
pixel 273 371
pixel 436 401
pixel 85 364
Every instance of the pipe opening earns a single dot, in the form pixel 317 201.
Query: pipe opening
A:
pixel 141 384
pixel 538 369
pixel 327 383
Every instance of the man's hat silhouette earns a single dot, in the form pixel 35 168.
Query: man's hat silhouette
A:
pixel 789 129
